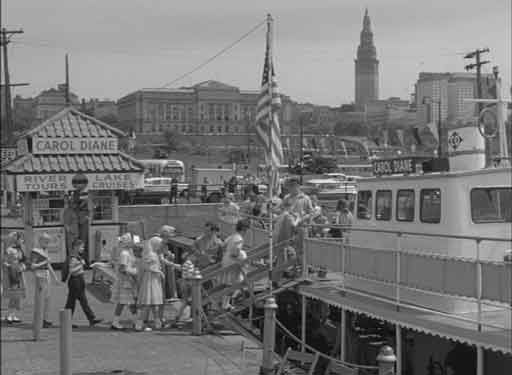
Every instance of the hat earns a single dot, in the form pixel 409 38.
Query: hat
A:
pixel 167 230
pixel 126 239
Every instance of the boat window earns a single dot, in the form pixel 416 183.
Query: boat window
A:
pixel 405 205
pixel 364 205
pixel 491 205
pixel 430 205
pixel 383 205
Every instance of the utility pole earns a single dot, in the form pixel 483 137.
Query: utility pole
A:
pixel 305 115
pixel 68 101
pixel 5 38
pixel 247 129
pixel 478 64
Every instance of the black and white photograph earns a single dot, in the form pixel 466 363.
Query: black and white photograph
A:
pixel 235 187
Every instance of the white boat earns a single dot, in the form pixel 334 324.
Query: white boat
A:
pixel 330 189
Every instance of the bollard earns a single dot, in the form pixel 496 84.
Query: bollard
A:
pixel 196 303
pixel 386 360
pixel 38 309
pixel 269 337
pixel 65 342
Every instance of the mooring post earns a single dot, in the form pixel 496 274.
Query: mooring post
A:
pixel 386 360
pixel 65 342
pixel 269 336
pixel 196 303
pixel 38 308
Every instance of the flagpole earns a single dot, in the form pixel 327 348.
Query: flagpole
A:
pixel 271 171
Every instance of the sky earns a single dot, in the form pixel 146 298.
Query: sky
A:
pixel 119 46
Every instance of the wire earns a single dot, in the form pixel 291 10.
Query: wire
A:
pixel 221 52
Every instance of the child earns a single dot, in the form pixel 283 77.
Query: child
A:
pixel 40 264
pixel 13 266
pixel 150 292
pixel 125 289
pixel 76 283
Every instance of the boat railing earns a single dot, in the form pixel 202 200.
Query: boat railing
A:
pixel 387 275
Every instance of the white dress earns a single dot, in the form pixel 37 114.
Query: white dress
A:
pixel 234 254
pixel 150 290
pixel 125 288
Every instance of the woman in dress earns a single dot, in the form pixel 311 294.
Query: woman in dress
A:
pixel 125 288
pixel 13 281
pixel 150 295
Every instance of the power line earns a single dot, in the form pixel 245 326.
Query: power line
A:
pixel 222 51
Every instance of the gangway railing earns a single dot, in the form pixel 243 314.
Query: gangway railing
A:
pixel 486 283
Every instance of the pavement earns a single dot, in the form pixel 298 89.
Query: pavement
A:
pixel 100 351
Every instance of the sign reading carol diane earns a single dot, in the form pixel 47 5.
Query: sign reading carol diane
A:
pixel 74 145
pixel 92 181
pixel 394 166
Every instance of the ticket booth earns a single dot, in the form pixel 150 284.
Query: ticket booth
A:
pixel 70 173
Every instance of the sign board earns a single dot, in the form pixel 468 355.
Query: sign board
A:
pixel 394 166
pixel 8 154
pixel 64 182
pixel 57 246
pixel 22 146
pixel 74 145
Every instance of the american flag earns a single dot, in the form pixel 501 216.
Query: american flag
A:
pixel 269 102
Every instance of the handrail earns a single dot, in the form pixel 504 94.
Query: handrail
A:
pixel 295 338
pixel 418 234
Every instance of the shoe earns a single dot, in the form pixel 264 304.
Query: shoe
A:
pixel 47 324
pixel 116 327
pixel 74 326
pixel 9 319
pixel 93 322
pixel 147 329
pixel 16 320
pixel 158 324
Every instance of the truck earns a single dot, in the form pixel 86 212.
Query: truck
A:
pixel 216 179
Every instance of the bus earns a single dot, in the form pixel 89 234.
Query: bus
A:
pixel 164 168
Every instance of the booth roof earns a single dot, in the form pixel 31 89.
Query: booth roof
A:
pixel 93 163
pixel 71 123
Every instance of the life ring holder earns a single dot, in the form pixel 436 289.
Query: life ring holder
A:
pixel 481 124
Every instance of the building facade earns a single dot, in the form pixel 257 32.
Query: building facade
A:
pixel 366 67
pixel 100 109
pixel 449 91
pixel 206 108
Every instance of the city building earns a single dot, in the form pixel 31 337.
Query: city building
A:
pixel 52 101
pixel 366 67
pixel 205 108
pixel 449 91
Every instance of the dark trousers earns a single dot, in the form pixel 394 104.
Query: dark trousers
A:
pixel 76 285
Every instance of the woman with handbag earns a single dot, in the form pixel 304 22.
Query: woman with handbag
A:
pixel 13 281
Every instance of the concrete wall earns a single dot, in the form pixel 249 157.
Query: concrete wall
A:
pixel 188 219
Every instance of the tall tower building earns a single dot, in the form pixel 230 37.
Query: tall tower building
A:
pixel 367 67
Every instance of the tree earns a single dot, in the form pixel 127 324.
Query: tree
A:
pixel 171 140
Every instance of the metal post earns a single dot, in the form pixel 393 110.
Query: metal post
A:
pixel 269 336
pixel 386 361
pixel 301 142
pixel 479 360
pixel 507 259
pixel 38 309
pixel 479 285
pixel 343 333
pixel 65 342
pixel 439 132
pixel 302 250
pixel 397 273
pixel 303 324
pixel 398 339
pixel 196 303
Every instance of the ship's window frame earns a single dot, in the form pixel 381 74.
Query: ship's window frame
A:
pixel 477 220
pixel 409 218
pixel 369 205
pixel 390 213
pixel 422 197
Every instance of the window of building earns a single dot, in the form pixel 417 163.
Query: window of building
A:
pixel 405 205
pixel 211 111
pixel 190 113
pixel 212 129
pixel 102 207
pixel 491 205
pixel 168 112
pixel 175 113
pixel 219 129
pixel 364 205
pixel 430 205
pixel 227 112
pixel 226 129
pixel 184 128
pixel 383 204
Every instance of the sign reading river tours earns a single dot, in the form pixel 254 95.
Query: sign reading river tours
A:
pixel 64 181
pixel 74 145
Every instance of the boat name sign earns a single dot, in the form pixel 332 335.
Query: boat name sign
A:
pixel 394 166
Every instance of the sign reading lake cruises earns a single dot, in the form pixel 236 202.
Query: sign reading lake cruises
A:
pixel 74 145
pixel 68 181
pixel 394 166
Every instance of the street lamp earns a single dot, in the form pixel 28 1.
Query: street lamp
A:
pixel 427 100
